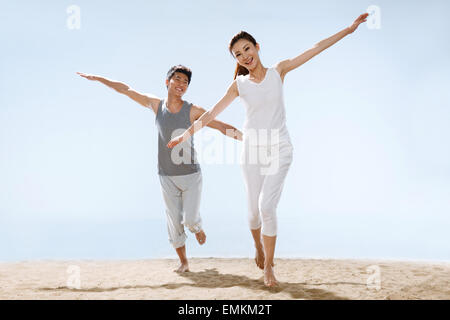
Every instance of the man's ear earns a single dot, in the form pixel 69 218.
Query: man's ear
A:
pixel 257 46
pixel 167 83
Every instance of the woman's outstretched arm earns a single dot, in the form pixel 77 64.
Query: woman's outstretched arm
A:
pixel 285 66
pixel 208 116
pixel 143 99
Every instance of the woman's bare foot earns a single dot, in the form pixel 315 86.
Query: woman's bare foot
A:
pixel 184 267
pixel 201 237
pixel 269 277
pixel 259 256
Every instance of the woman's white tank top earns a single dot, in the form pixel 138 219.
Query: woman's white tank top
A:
pixel 265 121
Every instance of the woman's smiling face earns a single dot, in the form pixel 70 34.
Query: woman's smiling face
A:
pixel 246 53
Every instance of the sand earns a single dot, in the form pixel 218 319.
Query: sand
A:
pixel 216 278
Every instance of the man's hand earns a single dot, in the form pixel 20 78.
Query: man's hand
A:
pixel 87 76
pixel 362 18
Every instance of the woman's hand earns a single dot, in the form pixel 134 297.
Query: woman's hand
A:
pixel 362 18
pixel 87 76
pixel 179 139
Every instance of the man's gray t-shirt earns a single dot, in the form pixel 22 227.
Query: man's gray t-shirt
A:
pixel 181 160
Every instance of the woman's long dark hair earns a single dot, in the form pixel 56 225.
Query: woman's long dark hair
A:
pixel 240 70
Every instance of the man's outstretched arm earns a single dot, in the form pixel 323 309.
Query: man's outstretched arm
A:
pixel 223 127
pixel 143 99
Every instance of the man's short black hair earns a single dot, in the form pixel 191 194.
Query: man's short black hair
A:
pixel 182 69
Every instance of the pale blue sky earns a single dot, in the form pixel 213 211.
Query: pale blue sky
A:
pixel 368 119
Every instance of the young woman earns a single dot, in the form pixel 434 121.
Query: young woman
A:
pixel 181 181
pixel 260 89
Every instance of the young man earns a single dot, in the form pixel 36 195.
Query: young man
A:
pixel 181 181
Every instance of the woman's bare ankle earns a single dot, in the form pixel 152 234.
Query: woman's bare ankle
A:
pixel 259 245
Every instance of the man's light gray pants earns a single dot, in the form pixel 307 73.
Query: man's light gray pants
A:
pixel 182 199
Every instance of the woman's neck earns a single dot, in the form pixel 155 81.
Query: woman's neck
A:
pixel 258 73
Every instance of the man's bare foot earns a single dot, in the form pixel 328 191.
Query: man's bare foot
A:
pixel 201 237
pixel 259 256
pixel 184 267
pixel 269 277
